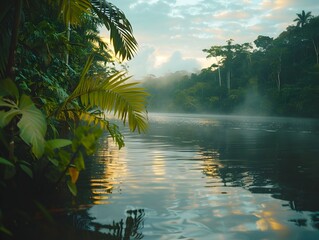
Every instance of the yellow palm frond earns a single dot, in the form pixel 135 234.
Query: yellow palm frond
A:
pixel 112 94
pixel 98 119
pixel 72 10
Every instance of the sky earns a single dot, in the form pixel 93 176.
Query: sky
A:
pixel 171 34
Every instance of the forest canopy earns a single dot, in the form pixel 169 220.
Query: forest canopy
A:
pixel 271 76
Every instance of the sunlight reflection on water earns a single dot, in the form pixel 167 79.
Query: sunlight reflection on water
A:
pixel 212 177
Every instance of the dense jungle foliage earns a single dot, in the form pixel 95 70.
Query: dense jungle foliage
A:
pixel 58 78
pixel 273 76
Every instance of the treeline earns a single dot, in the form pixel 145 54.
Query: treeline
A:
pixel 273 76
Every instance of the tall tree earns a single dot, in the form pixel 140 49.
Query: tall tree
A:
pixel 216 53
pixel 303 18
pixel 226 55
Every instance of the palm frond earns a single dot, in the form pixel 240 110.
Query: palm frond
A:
pixel 98 118
pixel 112 94
pixel 121 32
pixel 72 10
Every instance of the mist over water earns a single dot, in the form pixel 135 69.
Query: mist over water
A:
pixel 253 104
pixel 197 176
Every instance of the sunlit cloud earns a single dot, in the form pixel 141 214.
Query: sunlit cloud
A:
pixel 231 15
pixel 164 27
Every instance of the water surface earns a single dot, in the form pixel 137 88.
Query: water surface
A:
pixel 206 177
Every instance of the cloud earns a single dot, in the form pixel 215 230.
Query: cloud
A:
pixel 149 61
pixel 143 63
pixel 172 34
pixel 176 62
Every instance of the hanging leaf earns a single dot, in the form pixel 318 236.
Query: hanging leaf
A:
pixel 72 187
pixel 4 161
pixel 45 212
pixel 79 161
pixel 5 230
pixel 54 161
pixel 26 169
pixel 32 125
pixel 74 174
pixel 58 143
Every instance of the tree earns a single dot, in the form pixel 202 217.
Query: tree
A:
pixel 215 52
pixel 33 123
pixel 303 18
pixel 312 35
pixel 226 55
pixel 71 12
pixel 263 42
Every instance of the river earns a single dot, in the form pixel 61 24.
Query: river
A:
pixel 197 176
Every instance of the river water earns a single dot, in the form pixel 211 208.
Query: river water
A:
pixel 206 177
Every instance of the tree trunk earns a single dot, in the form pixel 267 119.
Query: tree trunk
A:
pixel 68 33
pixel 316 50
pixel 278 81
pixel 278 73
pixel 228 79
pixel 219 77
pixel 10 66
pixel 14 39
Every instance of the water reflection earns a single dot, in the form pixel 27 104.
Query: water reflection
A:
pixel 107 172
pixel 206 177
pixel 158 163
pixel 85 226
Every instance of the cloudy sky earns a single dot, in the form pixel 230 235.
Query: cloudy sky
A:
pixel 172 33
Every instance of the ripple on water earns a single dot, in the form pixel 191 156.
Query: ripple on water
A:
pixel 209 177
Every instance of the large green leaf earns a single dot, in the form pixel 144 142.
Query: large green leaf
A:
pixel 32 125
pixel 58 143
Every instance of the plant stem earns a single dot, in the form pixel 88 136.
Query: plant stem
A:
pixel 14 39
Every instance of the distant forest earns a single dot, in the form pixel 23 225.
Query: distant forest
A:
pixel 273 76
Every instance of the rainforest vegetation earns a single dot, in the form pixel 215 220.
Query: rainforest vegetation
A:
pixel 58 78
pixel 271 76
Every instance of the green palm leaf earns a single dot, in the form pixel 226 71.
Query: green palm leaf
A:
pixel 98 118
pixel 121 32
pixel 112 94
